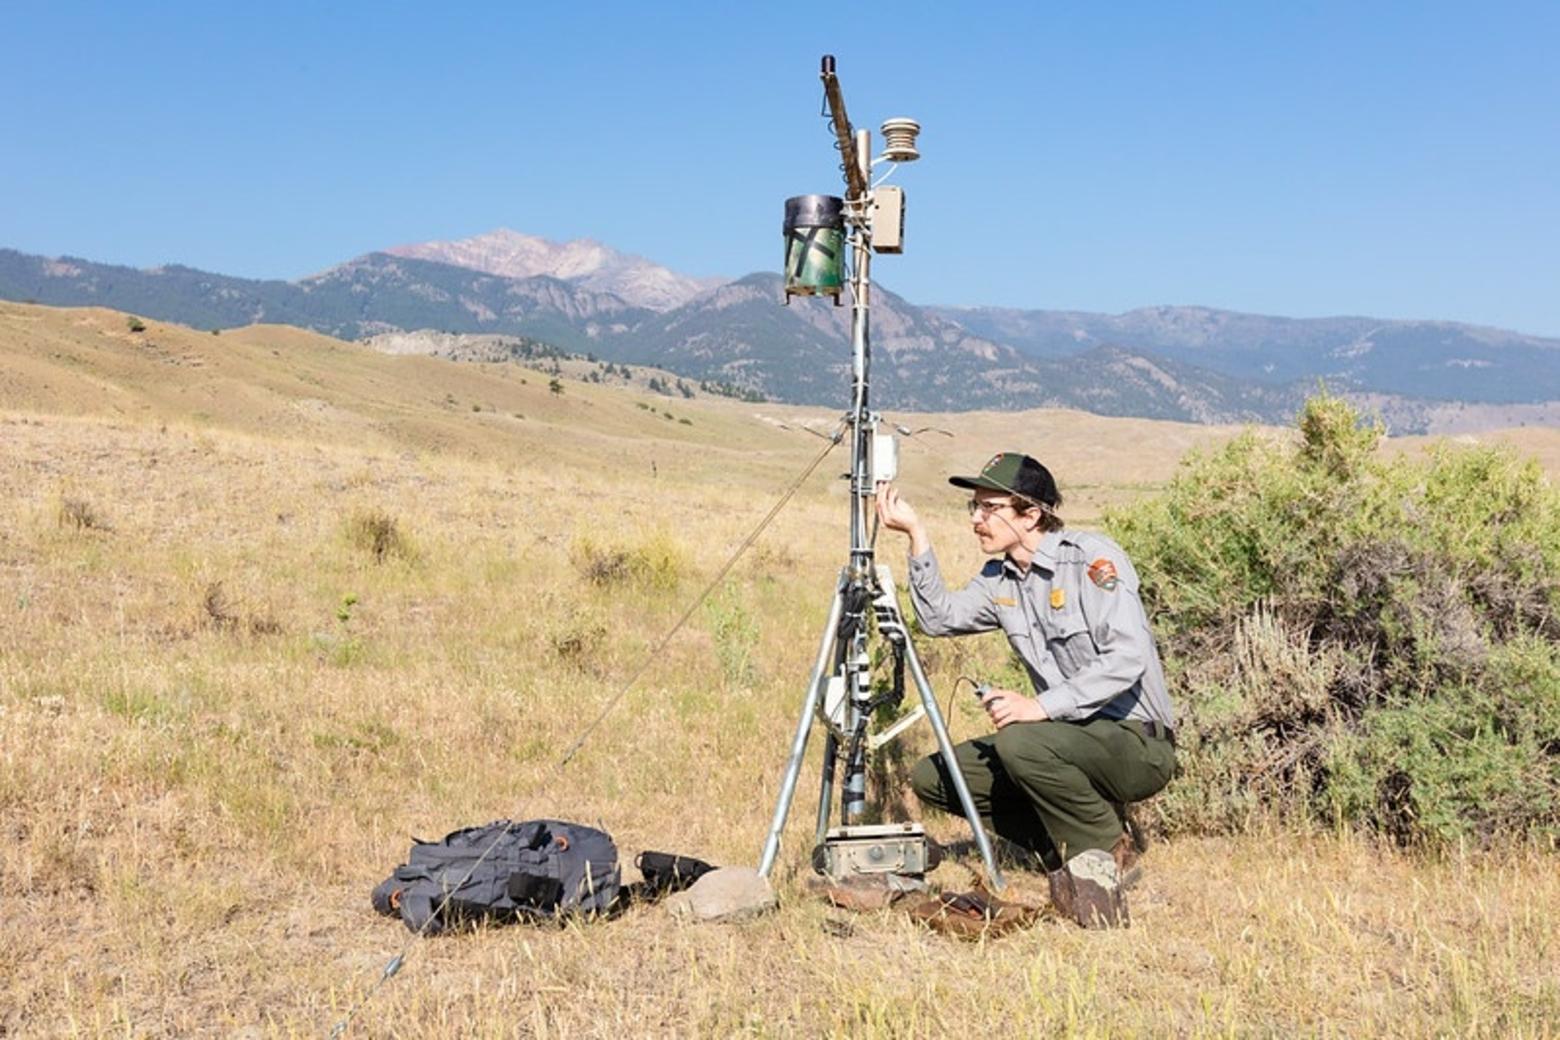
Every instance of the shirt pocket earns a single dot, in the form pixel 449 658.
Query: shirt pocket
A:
pixel 1015 625
pixel 1067 636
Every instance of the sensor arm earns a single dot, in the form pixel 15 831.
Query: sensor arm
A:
pixel 855 180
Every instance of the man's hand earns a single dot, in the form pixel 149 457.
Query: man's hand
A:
pixel 898 515
pixel 1009 706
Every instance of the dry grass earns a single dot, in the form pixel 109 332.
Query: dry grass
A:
pixel 80 514
pixel 195 806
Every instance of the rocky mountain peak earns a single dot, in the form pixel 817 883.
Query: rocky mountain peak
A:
pixel 583 261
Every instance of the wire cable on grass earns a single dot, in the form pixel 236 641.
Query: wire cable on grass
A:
pixel 396 963
pixel 948 712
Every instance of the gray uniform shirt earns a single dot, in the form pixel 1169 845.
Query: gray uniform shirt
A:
pixel 1074 618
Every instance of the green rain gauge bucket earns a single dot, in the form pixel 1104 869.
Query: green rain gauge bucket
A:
pixel 814 246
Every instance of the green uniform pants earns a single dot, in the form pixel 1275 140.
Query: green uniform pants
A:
pixel 1050 786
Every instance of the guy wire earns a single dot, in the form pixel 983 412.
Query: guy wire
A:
pixel 396 963
pixel 720 575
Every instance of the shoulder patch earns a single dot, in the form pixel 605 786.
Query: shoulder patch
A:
pixel 1103 573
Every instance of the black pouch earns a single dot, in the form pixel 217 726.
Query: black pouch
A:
pixel 543 893
pixel 666 872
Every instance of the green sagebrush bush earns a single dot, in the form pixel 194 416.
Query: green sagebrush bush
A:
pixel 1358 638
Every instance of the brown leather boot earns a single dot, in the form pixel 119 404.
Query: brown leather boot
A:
pixel 1087 890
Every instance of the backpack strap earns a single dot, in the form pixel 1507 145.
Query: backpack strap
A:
pixel 417 907
pixel 536 881
pixel 386 896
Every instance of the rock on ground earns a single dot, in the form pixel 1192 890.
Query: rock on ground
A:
pixel 725 894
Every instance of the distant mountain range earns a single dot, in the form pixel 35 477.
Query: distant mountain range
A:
pixel 1187 363
pixel 1432 359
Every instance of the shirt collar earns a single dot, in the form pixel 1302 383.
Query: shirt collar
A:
pixel 1044 556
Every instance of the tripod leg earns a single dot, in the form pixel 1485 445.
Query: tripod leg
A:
pixel 831 750
pixel 890 621
pixel 793 767
pixel 945 745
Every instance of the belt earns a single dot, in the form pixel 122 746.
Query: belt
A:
pixel 1156 730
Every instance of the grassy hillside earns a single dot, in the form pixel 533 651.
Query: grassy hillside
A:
pixel 282 382
pixel 274 604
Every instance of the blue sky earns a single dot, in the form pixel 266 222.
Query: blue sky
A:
pixel 1300 159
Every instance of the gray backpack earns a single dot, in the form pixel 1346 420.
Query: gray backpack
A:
pixel 535 870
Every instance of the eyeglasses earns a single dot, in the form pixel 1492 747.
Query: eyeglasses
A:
pixel 977 506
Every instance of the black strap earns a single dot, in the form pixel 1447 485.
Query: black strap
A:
pixel 809 242
pixel 1156 730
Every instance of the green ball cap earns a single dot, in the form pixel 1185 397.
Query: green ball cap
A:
pixel 1017 474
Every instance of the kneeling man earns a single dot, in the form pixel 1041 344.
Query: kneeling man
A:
pixel 1062 765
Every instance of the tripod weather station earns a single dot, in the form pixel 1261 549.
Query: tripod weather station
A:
pixel 841 695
